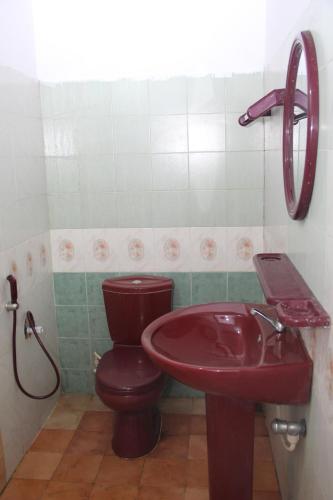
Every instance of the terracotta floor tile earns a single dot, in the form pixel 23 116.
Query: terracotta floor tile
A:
pixel 38 465
pixel 117 471
pixel 63 418
pixel 176 405
pixel 97 405
pixel 197 473
pixel 89 443
pixel 266 495
pixel 198 424
pixel 110 492
pixel 96 421
pixel 171 447
pixel 24 489
pixel 164 472
pixel 176 425
pixel 196 494
pixel 264 477
pixel 198 447
pixel 260 426
pixel 109 449
pixel 57 490
pixel 77 468
pixel 52 440
pixel 199 406
pixel 156 493
pixel 74 401
pixel 262 449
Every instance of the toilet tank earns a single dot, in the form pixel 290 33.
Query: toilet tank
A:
pixel 132 302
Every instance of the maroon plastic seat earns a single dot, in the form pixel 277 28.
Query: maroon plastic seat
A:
pixel 127 370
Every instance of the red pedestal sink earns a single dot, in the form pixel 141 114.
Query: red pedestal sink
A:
pixel 237 359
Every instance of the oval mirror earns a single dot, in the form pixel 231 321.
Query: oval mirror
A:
pixel 300 125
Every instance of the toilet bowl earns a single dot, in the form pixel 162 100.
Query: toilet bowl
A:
pixel 126 379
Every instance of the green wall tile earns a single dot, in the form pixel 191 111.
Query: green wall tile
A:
pixel 101 345
pixel 70 289
pixel 175 389
pixel 244 287
pixel 74 353
pixel 94 287
pixel 209 287
pixel 98 326
pixel 77 381
pixel 182 288
pixel 72 321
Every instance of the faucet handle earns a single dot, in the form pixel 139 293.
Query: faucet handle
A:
pixel 276 324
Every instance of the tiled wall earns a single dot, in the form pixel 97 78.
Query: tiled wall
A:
pixel 82 322
pixel 149 176
pixel 24 238
pixel 307 473
pixel 153 153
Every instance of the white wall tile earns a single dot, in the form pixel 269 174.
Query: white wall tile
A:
pixel 130 97
pixel 168 97
pixel 206 132
pixel 169 134
pixel 250 138
pixel 206 95
pixel 170 171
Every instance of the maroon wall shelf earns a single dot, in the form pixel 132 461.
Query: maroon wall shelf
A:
pixel 285 288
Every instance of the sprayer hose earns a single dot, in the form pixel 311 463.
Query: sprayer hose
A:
pixel 31 322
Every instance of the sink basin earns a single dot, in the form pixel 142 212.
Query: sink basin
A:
pixel 222 349
pixel 237 359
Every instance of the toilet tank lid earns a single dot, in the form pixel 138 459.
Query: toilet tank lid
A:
pixel 137 284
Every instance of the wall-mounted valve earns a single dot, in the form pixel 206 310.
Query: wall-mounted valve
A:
pixel 290 431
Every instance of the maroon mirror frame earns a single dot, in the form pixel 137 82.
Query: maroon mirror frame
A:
pixel 303 43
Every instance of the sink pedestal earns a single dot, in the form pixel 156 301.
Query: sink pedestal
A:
pixel 230 440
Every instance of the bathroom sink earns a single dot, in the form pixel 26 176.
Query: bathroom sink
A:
pixel 237 359
pixel 222 349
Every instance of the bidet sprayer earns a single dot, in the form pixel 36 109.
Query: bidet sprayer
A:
pixel 13 304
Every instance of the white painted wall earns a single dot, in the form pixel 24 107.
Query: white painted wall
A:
pixel 111 39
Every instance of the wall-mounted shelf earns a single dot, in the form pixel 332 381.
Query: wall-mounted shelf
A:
pixel 285 288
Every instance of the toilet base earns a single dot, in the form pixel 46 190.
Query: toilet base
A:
pixel 136 433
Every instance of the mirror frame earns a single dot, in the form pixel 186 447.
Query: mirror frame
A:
pixel 303 43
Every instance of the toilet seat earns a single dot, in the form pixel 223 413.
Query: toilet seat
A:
pixel 127 370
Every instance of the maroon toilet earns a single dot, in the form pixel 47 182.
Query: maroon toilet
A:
pixel 126 379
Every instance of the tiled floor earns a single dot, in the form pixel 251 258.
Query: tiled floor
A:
pixel 72 458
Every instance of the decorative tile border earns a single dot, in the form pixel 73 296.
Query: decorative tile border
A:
pixel 196 249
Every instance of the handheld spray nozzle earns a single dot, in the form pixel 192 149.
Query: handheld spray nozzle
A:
pixel 13 305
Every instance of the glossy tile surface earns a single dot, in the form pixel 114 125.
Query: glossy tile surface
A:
pixel 79 464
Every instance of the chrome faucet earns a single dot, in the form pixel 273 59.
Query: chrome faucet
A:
pixel 276 324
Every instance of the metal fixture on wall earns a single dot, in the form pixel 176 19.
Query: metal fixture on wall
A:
pixel 29 327
pixel 290 431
